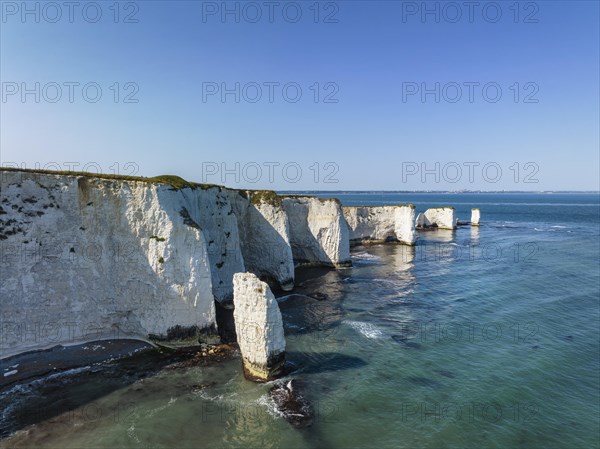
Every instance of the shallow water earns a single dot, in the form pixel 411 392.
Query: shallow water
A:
pixel 483 337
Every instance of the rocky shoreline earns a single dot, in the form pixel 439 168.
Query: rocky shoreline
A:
pixel 114 364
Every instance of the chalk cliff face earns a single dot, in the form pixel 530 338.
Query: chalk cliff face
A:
pixel 381 223
pixel 259 328
pixel 86 259
pixel 318 230
pixel 212 210
pixel 265 235
pixel 405 224
pixel 442 217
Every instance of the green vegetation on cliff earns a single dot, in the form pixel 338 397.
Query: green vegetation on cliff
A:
pixel 266 196
pixel 175 182
pixel 257 197
pixel 321 199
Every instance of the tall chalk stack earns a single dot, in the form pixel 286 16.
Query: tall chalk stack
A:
pixel 475 216
pixel 259 328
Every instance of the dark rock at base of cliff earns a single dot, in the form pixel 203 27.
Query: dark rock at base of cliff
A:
pixel 36 364
pixel 275 368
pixel 291 404
pixel 177 333
pixel 185 336
pixel 431 227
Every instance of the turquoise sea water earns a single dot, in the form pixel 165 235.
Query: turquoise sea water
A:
pixel 482 337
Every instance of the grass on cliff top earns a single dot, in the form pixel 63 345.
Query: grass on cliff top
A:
pixel 175 182
pixel 321 199
pixel 257 197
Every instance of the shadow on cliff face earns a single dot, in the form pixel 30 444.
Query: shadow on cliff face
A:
pixel 225 322
pixel 211 213
pixel 306 248
pixel 265 252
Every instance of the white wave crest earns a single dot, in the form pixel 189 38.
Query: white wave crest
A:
pixel 267 401
pixel 366 329
pixel 366 258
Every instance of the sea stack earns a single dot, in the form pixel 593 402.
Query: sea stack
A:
pixel 475 215
pixel 437 217
pixel 259 328
pixel 376 224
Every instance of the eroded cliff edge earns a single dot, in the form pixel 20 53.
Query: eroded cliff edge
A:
pixel 378 224
pixel 89 257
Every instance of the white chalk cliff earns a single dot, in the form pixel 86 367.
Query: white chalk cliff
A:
pixel 381 223
pixel 318 230
pixel 264 235
pixel 88 257
pixel 93 257
pixel 440 217
pixel 259 328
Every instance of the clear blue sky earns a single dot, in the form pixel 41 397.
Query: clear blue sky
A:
pixel 373 53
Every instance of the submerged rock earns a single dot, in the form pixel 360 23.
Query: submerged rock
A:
pixel 406 341
pixel 445 373
pixel 292 405
pixel 319 296
pixel 424 381
pixel 259 328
